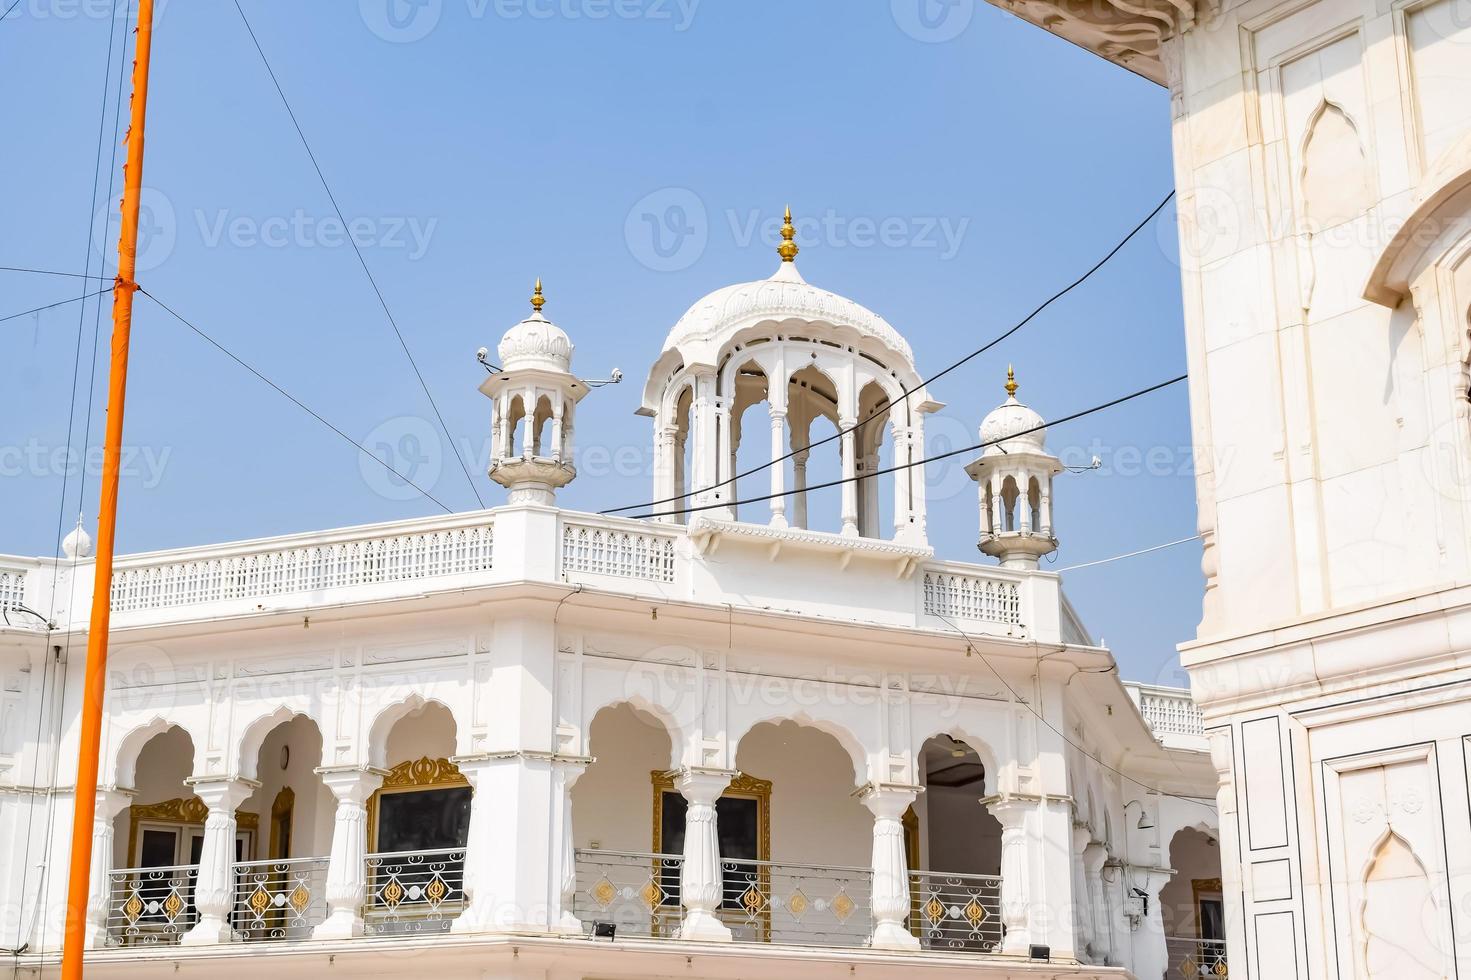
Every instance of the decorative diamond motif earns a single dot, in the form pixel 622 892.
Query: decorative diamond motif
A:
pixel 1188 967
pixel 393 893
pixel 1220 968
pixel 259 901
pixel 934 910
pixel 133 907
pixel 436 890
pixel 604 892
pixel 651 894
pixel 300 898
pixel 752 900
pixel 797 904
pixel 974 913
pixel 173 905
pixel 843 906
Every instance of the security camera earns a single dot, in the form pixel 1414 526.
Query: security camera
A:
pixel 482 353
pixel 617 375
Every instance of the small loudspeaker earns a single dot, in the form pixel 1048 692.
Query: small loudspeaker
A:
pixel 1037 952
pixel 604 930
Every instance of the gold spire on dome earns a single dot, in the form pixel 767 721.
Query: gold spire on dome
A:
pixel 1011 384
pixel 788 247
pixel 537 299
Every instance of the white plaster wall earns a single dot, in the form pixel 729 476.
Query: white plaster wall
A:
pixel 428 730
pixel 1194 856
pixel 311 818
pixel 612 802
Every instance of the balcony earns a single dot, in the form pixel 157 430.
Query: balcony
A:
pixel 1202 958
pixel 1171 714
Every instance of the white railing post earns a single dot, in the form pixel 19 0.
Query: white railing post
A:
pixel 110 803
pixel 890 898
pixel 346 889
pixel 701 881
pixel 214 892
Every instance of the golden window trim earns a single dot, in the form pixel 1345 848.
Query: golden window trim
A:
pixel 184 812
pixel 741 787
pixel 413 776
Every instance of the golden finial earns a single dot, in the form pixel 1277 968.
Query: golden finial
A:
pixel 788 247
pixel 1011 385
pixel 537 299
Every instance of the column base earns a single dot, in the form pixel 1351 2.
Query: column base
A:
pixel 779 522
pixel 341 924
pixel 473 919
pixel 892 935
pixel 704 926
pixel 570 925
pixel 1016 943
pixel 209 931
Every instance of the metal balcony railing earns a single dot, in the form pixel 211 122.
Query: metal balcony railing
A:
pixel 414 891
pixel 284 899
pixel 637 893
pixel 150 906
pixel 1192 958
pixel 797 903
pixel 955 911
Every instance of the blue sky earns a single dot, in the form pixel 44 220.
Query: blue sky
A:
pixel 952 164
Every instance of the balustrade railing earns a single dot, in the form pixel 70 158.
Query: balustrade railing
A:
pixel 12 588
pixel 955 911
pixel 791 903
pixel 414 891
pixel 150 906
pixel 308 568
pixel 1197 958
pixel 1169 711
pixel 975 597
pixel 637 893
pixel 612 551
pixel 283 899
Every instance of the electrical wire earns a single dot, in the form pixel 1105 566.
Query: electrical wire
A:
pixel 886 407
pixel 13 5
pixel 293 399
pixel 919 462
pixel 52 272
pixel 1131 554
pixel 475 489
pixel 52 306
pixel 1016 698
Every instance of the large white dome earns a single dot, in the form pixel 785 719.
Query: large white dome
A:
pixel 785 295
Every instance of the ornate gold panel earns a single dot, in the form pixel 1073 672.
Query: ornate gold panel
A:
pixel 413 776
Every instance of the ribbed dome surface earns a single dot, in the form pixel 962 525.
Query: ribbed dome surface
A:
pixel 535 342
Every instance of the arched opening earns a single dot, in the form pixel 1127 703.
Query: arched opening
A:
pixel 1009 495
pixel 282 892
pixel 418 825
pixel 684 453
pixel 954 848
pixel 514 414
pixel 1034 504
pixel 815 833
pixel 749 437
pixel 540 423
pixel 1191 905
pixel 874 453
pixel 812 415
pixel 618 880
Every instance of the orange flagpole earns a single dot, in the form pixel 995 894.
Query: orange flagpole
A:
pixel 79 876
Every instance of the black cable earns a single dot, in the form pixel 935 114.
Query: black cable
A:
pixel 50 272
pixel 888 406
pixel 296 401
pixel 361 261
pixel 8 9
pixel 919 462
pixel 52 306
pixel 1017 699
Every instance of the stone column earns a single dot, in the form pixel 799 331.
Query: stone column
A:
pixel 1082 913
pixel 701 878
pixel 799 485
pixel 1118 925
pixel 681 481
pixel 214 890
pixel 917 497
pixel 1151 956
pixel 890 897
pixel 110 803
pixel 778 471
pixel 1015 871
pixel 1100 945
pixel 566 770
pixel 850 470
pixel 478 913
pixel 347 871
pixel 902 478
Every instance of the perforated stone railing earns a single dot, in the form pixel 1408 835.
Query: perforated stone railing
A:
pixel 602 550
pixel 344 561
pixel 1168 710
pixel 968 595
pixel 12 587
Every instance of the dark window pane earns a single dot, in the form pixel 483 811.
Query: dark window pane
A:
pixel 1212 919
pixel 737 825
pixel 159 850
pixel 423 820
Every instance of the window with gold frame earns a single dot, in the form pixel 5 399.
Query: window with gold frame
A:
pixel 171 833
pixel 423 804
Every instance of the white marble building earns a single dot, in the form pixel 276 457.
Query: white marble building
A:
pixel 534 742
pixel 1323 164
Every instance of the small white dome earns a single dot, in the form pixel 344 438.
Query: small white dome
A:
pixel 536 343
pixel 785 295
pixel 77 544
pixel 1002 429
